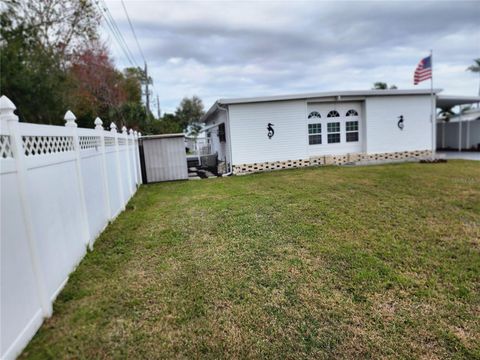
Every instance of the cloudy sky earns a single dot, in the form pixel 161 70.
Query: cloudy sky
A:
pixel 221 49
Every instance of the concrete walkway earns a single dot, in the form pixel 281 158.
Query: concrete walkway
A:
pixel 464 155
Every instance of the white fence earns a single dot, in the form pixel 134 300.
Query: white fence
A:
pixel 60 186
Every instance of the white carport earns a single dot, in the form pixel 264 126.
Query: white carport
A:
pixel 460 131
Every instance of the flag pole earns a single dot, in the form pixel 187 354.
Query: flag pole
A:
pixel 433 117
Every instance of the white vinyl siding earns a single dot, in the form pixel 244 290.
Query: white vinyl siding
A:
pixel 382 132
pixel 248 131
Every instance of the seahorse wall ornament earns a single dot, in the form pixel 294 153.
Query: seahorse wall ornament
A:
pixel 400 122
pixel 271 132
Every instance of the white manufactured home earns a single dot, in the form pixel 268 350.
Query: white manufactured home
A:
pixel 278 132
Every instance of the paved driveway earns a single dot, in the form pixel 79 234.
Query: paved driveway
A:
pixel 464 155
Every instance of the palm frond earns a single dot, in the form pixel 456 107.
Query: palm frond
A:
pixel 476 67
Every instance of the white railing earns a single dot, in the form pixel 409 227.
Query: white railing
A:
pixel 199 146
pixel 60 186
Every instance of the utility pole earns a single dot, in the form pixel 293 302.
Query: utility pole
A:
pixel 147 91
pixel 159 113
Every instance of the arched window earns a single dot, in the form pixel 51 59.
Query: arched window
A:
pixel 333 113
pixel 352 112
pixel 314 114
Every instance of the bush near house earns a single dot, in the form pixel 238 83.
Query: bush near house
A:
pixel 334 262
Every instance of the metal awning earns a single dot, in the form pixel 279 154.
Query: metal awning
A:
pixel 449 101
pixel 469 115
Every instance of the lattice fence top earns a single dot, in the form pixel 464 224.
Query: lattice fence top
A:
pixel 89 142
pixel 109 141
pixel 5 147
pixel 41 145
pixel 122 141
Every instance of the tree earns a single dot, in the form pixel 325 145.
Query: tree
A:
pixel 383 86
pixel 134 78
pixel 380 86
pixel 30 75
pixel 134 116
pixel 475 68
pixel 446 113
pixel 97 87
pixel 61 25
pixel 37 41
pixel 189 112
pixel 168 124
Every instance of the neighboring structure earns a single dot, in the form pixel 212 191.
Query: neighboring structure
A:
pixel 460 131
pixel 277 132
pixel 164 157
pixel 198 145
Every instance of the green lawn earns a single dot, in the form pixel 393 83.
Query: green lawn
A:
pixel 328 262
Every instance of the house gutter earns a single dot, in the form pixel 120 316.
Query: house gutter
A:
pixel 219 107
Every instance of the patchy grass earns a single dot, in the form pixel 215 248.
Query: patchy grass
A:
pixel 333 262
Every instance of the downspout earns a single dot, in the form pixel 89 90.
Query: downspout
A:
pixel 219 107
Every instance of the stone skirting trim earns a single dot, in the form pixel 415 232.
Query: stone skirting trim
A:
pixel 331 160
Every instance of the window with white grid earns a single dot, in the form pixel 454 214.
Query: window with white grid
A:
pixel 333 132
pixel 315 134
pixel 351 128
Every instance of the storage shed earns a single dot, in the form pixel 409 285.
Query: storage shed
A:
pixel 163 157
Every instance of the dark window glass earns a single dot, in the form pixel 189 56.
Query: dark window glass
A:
pixel 314 114
pixel 314 128
pixel 333 113
pixel 333 127
pixel 314 139
pixel 351 125
pixel 352 136
pixel 221 133
pixel 352 113
pixel 333 138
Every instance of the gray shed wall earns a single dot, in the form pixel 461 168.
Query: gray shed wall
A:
pixel 165 159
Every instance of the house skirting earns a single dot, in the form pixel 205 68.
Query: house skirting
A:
pixel 332 160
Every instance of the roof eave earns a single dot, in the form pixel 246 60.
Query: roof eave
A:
pixel 340 94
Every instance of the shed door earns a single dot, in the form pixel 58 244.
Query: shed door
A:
pixel 165 159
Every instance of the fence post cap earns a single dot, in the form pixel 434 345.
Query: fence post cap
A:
pixel 124 129
pixel 113 127
pixel 70 119
pixel 98 123
pixel 139 134
pixel 130 131
pixel 7 108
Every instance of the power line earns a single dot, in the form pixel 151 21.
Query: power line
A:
pixel 147 91
pixel 117 34
pixel 112 20
pixel 112 25
pixel 133 31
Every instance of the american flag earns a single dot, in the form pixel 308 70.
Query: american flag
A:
pixel 423 70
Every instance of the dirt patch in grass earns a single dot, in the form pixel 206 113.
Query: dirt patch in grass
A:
pixel 357 262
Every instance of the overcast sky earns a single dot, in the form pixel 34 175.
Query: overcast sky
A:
pixel 222 49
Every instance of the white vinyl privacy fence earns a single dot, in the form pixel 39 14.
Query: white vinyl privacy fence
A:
pixel 60 186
